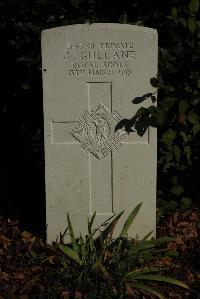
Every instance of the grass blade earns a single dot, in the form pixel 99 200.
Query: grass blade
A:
pixel 100 266
pixel 161 240
pixel 136 272
pixel 163 279
pixel 148 289
pixel 91 243
pixel 146 237
pixel 108 232
pixel 82 248
pixel 71 232
pixel 104 224
pixel 90 223
pixel 70 253
pixel 129 220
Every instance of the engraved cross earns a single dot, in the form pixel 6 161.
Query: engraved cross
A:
pixel 101 198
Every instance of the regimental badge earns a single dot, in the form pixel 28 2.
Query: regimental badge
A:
pixel 96 131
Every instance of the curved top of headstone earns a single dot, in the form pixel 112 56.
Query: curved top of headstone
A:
pixel 103 26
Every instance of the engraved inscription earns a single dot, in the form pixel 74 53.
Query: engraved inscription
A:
pixel 96 131
pixel 100 58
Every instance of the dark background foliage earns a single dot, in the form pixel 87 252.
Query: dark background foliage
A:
pixel 22 159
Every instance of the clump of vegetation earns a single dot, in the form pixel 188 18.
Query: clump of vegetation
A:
pixel 178 113
pixel 122 262
pixel 90 267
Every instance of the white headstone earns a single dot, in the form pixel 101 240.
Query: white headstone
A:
pixel 90 75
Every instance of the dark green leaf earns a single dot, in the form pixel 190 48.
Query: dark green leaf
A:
pixel 71 232
pixel 174 12
pixel 196 128
pixel 71 253
pixel 161 240
pixel 168 136
pixel 177 152
pixel 148 289
pixel 184 136
pixel 187 151
pixel 185 203
pixel 192 24
pixel 161 278
pixel 176 190
pixel 193 117
pixel 137 272
pixel 138 100
pixel 153 98
pixel 130 220
pixel 106 235
pixel 90 223
pixel 168 102
pixel 154 82
pixel 183 106
pixel 194 6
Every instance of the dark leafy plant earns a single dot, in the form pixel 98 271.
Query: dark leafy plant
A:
pixel 144 117
pixel 177 116
pixel 121 261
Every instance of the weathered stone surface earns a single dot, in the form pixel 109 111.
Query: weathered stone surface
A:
pixel 90 75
